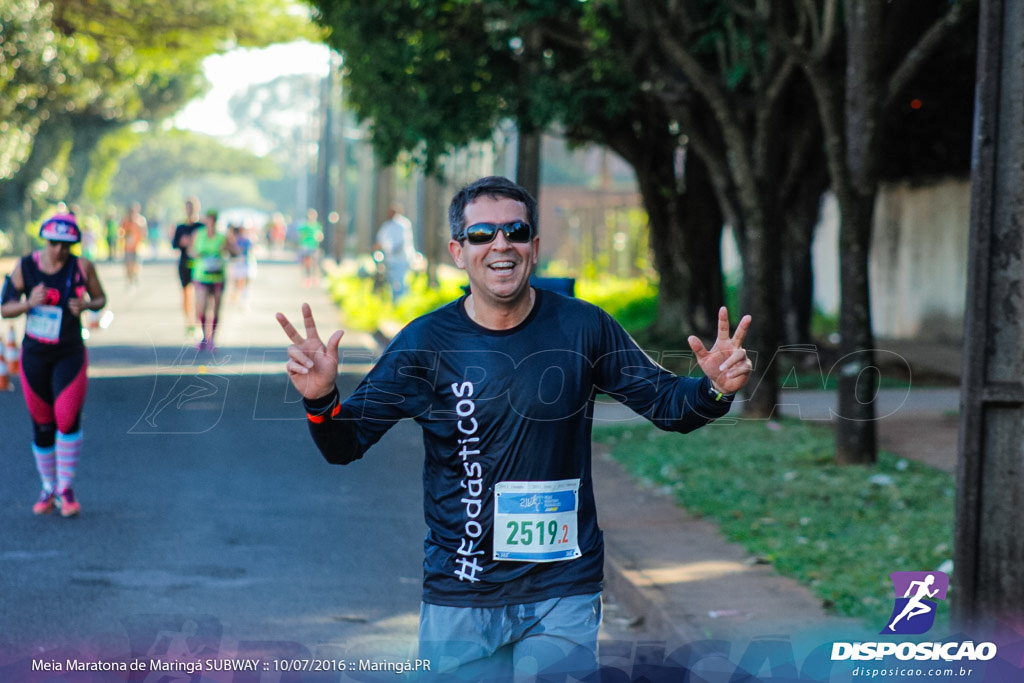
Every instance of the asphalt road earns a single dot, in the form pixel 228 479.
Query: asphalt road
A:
pixel 208 517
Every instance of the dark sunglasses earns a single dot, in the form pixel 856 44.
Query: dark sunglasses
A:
pixel 484 233
pixel 59 243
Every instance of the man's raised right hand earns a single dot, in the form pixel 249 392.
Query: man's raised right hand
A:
pixel 312 365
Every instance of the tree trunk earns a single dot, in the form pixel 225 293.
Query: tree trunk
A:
pixel 745 181
pixel 760 298
pixel 529 139
pixel 850 111
pixel 803 167
pixel 797 284
pixel 856 440
pixel 528 161
pixel 685 228
pixel 857 187
pixel 686 242
pixel 801 215
pixel 435 229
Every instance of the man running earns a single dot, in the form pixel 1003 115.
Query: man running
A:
pixel 502 383
pixel 133 232
pixel 182 241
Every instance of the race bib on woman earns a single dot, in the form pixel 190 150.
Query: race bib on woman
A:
pixel 43 323
pixel 213 264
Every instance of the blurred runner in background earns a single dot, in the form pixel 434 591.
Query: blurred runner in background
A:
pixel 181 241
pixel 51 288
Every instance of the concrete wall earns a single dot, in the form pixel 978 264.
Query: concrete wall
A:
pixel 918 260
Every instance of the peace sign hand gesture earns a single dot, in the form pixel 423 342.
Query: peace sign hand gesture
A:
pixel 312 365
pixel 725 363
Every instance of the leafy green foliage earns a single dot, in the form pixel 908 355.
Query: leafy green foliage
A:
pixel 426 74
pixel 773 487
pixel 632 302
pixel 369 309
pixel 434 75
pixel 28 62
pixel 201 27
pixel 106 160
pixel 73 71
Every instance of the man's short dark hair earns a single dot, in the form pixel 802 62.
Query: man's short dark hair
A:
pixel 495 187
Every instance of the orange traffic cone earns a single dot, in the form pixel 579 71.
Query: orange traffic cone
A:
pixel 11 354
pixel 5 379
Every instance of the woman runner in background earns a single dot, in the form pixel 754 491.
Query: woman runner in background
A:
pixel 52 287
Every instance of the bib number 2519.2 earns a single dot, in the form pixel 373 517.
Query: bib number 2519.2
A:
pixel 536 521
pixel 527 533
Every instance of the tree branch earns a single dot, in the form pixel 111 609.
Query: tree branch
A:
pixel 929 42
pixel 557 34
pixel 791 45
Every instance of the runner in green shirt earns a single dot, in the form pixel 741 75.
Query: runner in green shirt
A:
pixel 207 251
pixel 310 235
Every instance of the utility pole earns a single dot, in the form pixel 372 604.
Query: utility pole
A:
pixel 988 581
pixel 364 211
pixel 325 159
pixel 435 228
pixel 384 196
pixel 341 160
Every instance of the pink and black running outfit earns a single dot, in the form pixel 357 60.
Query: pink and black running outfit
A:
pixel 53 374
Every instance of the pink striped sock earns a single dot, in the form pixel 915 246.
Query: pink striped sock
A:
pixel 46 464
pixel 69 446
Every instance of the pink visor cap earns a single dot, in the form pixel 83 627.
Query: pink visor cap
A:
pixel 61 228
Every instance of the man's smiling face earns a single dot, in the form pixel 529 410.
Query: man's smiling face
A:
pixel 499 271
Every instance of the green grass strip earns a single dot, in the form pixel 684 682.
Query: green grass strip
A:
pixel 774 488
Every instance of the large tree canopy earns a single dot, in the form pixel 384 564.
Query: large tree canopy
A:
pixel 427 75
pixel 74 71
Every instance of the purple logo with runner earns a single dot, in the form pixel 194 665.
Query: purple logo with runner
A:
pixel 916 596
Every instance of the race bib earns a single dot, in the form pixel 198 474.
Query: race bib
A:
pixel 43 323
pixel 536 521
pixel 213 264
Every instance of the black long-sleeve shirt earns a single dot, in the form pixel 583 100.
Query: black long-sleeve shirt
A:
pixel 499 408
